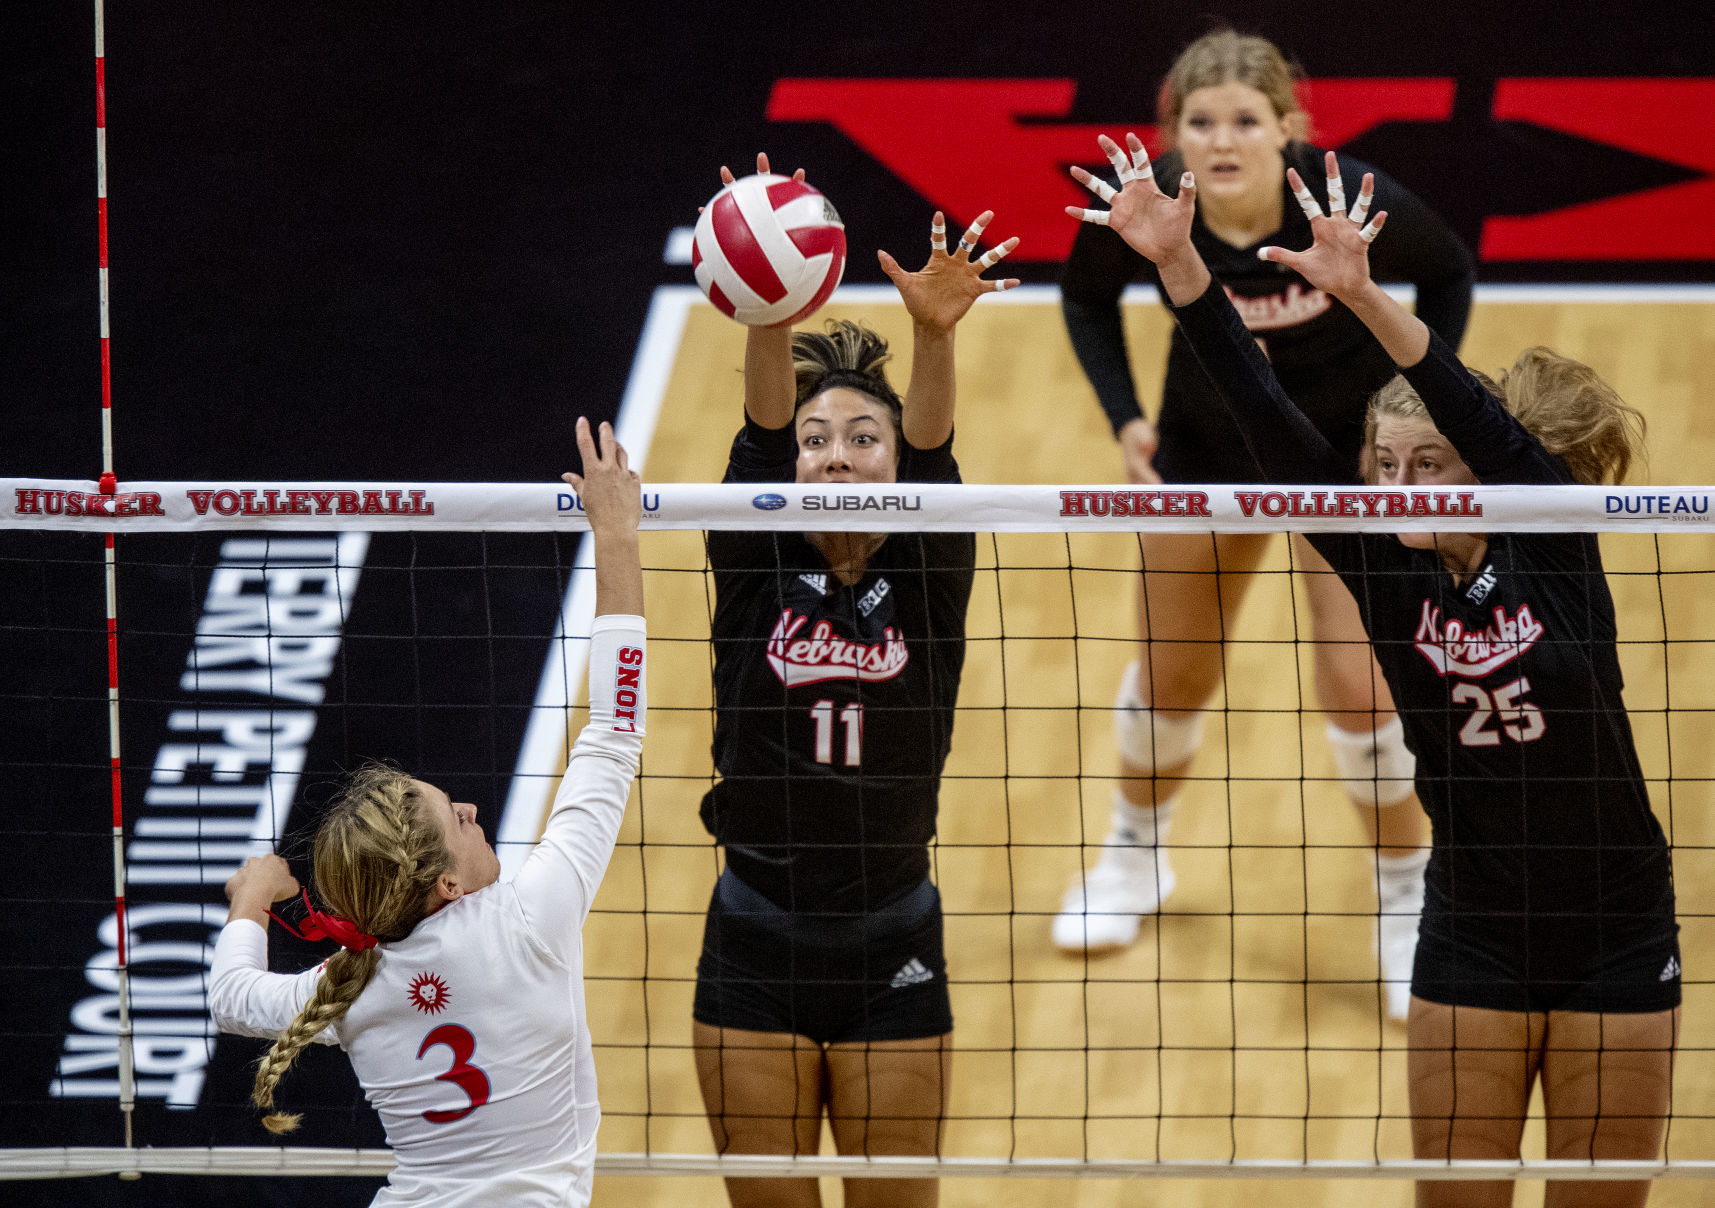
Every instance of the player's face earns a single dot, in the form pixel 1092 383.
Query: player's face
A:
pixel 1232 139
pixel 474 864
pixel 846 436
pixel 1410 452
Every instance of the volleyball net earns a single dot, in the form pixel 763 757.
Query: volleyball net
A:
pixel 269 635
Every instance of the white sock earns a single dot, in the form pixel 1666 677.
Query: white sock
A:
pixel 1145 827
pixel 1397 876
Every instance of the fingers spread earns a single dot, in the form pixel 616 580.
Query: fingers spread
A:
pixel 762 163
pixel 1116 157
pixel 1369 233
pixel 1096 217
pixel 938 233
pixel 997 286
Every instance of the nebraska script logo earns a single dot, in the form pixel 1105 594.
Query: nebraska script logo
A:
pixel 825 655
pixel 1453 650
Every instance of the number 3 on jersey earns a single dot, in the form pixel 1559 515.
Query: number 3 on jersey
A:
pixel 851 719
pixel 1520 720
pixel 467 1077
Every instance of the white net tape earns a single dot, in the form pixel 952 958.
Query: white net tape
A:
pixel 69 505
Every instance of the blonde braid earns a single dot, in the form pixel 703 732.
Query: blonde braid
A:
pixel 376 862
pixel 344 979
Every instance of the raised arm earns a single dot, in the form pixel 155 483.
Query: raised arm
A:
pixel 937 296
pixel 1285 446
pixel 559 879
pixel 1492 442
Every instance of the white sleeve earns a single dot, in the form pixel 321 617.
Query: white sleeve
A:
pixel 561 875
pixel 244 997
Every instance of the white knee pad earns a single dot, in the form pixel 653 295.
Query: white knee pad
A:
pixel 1375 767
pixel 1147 738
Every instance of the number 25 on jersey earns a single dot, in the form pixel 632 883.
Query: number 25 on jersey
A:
pixel 1518 719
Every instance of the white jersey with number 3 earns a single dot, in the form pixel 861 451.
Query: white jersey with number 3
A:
pixel 471 1041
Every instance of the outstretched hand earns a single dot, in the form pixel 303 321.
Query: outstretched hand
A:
pixel 611 492
pixel 1156 226
pixel 942 292
pixel 1338 262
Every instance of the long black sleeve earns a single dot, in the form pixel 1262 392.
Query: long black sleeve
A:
pixel 1418 247
pixel 1490 439
pixel 1284 444
pixel 1100 268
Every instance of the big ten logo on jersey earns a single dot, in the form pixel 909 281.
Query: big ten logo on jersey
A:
pixel 1498 713
pixel 873 597
pixel 1482 585
pixel 566 501
pixel 627 680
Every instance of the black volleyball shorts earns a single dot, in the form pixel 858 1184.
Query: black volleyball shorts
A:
pixel 1467 970
pixel 835 980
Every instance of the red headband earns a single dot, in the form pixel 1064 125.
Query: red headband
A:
pixel 319 925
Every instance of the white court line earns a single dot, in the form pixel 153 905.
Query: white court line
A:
pixel 542 755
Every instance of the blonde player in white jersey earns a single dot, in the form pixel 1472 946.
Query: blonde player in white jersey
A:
pixel 458 998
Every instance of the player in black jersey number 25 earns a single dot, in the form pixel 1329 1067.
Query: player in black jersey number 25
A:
pixel 1549 945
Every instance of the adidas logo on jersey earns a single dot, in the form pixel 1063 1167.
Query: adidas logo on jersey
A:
pixel 819 582
pixel 1667 974
pixel 914 973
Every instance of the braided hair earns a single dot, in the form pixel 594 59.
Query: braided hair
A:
pixel 377 858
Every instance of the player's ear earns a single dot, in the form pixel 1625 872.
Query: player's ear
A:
pixel 447 889
pixel 1297 125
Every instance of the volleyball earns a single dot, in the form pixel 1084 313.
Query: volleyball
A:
pixel 768 250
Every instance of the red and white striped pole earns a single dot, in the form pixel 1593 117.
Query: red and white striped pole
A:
pixel 109 484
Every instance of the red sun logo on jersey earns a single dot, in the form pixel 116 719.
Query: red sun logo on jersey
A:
pixel 429 993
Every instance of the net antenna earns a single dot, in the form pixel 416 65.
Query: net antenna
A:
pixel 108 485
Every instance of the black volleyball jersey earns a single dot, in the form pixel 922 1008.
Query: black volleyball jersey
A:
pixel 833 704
pixel 1509 685
pixel 1323 355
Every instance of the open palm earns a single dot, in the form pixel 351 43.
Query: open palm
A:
pixel 1153 224
pixel 942 292
pixel 1338 262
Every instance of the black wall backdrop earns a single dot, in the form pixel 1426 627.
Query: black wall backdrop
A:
pixel 413 241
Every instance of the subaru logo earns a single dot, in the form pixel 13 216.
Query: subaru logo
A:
pixel 769 503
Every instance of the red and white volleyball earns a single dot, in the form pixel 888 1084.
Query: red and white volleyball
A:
pixel 769 250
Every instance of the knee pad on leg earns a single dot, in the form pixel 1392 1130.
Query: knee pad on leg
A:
pixel 1374 766
pixel 1147 738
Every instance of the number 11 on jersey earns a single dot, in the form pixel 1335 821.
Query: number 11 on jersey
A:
pixel 851 718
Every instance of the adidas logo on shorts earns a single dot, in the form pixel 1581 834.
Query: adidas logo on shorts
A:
pixel 819 582
pixel 1667 974
pixel 912 974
